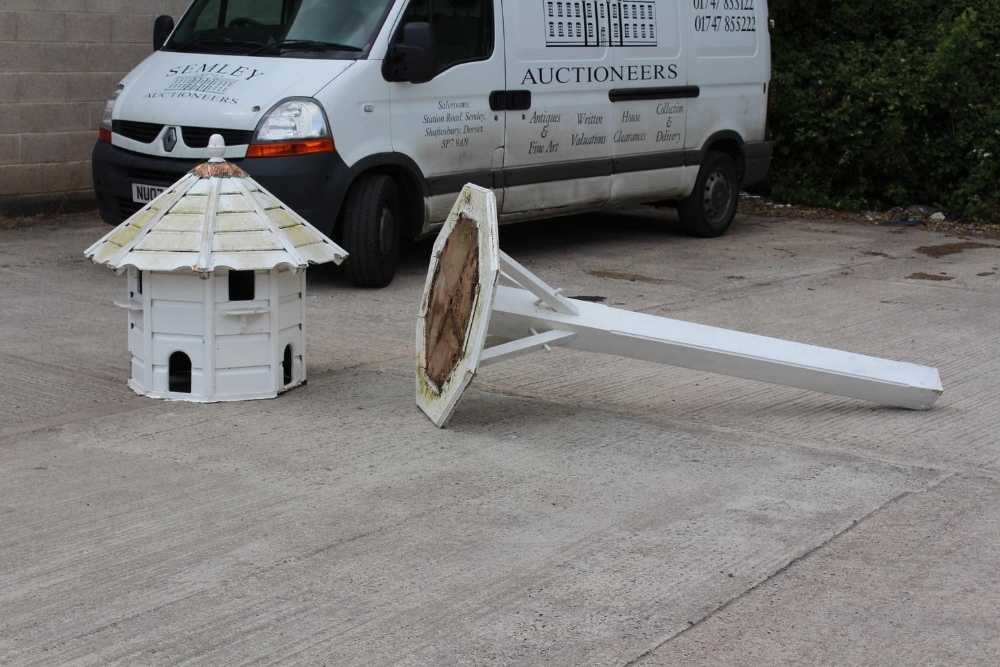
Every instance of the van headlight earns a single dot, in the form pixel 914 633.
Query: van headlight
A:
pixel 104 131
pixel 295 126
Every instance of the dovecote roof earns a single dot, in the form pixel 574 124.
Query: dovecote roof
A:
pixel 215 216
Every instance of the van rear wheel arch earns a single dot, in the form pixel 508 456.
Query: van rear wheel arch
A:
pixel 710 208
pixel 729 142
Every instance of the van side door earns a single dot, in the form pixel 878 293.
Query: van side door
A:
pixel 650 100
pixel 446 124
pixel 557 155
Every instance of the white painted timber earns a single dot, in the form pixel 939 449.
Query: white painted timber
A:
pixel 516 348
pixel 438 402
pixel 529 281
pixel 189 337
pixel 607 330
pixel 215 216
pixel 534 316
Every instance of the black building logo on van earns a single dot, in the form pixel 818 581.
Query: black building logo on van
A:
pixel 600 22
pixel 201 83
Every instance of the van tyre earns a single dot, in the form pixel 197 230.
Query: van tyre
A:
pixel 711 207
pixel 372 231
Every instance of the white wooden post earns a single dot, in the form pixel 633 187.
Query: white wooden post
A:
pixel 598 328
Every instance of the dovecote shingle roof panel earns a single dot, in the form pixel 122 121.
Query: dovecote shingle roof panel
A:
pixel 215 216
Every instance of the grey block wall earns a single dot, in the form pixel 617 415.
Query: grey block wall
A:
pixel 59 60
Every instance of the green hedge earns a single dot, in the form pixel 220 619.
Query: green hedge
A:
pixel 880 103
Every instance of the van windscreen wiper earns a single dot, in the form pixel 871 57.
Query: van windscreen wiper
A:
pixel 225 41
pixel 304 45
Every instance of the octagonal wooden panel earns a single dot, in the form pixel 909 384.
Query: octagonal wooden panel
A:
pixel 456 304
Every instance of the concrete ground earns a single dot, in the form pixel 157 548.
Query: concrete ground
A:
pixel 579 510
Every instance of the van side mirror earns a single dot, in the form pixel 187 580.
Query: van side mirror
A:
pixel 162 27
pixel 413 59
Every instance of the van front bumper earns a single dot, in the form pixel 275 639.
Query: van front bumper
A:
pixel 756 161
pixel 311 185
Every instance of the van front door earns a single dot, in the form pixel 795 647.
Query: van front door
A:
pixel 557 156
pixel 446 124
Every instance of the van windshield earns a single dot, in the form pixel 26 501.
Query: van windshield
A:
pixel 311 28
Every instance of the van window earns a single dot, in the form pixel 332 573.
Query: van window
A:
pixel 303 28
pixel 463 29
pixel 350 22
pixel 219 13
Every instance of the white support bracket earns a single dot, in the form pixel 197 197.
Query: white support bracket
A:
pixel 529 281
pixel 516 348
pixel 522 302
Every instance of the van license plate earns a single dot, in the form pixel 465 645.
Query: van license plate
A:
pixel 143 194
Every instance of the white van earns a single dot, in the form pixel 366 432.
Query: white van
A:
pixel 368 116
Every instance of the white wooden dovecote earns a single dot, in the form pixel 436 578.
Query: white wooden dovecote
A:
pixel 216 284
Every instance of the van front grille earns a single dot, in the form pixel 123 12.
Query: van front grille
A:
pixel 141 132
pixel 194 137
pixel 197 137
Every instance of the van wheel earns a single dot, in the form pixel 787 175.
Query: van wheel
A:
pixel 711 207
pixel 372 231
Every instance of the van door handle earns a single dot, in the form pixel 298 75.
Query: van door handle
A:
pixel 510 100
pixel 498 100
pixel 518 100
